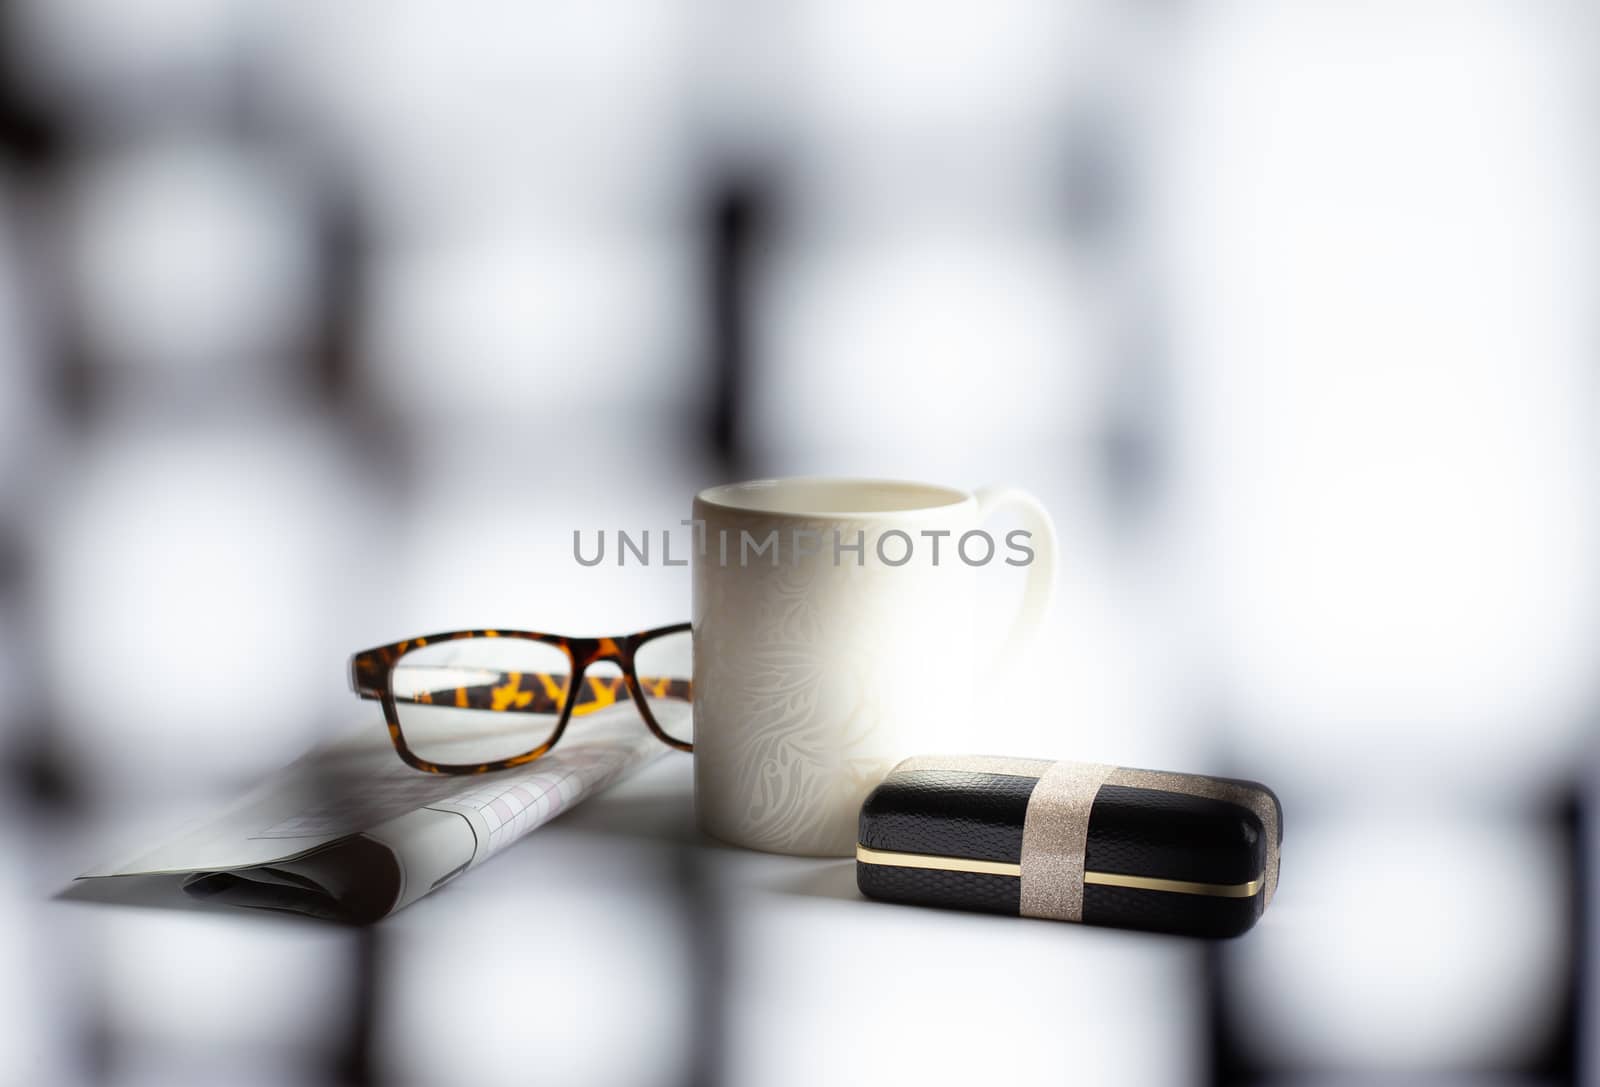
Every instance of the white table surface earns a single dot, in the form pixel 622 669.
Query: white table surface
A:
pixel 620 945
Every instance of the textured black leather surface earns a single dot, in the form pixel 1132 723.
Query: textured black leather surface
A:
pixel 950 890
pixel 1147 832
pixel 948 813
pixel 1163 911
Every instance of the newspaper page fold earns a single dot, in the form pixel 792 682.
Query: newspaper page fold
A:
pixel 350 833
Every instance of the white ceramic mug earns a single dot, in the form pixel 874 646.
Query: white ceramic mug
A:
pixel 835 633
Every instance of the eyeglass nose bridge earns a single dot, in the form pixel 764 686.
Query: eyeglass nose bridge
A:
pixel 601 649
pixel 586 655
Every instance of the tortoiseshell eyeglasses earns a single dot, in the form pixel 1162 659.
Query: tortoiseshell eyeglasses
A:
pixel 477 700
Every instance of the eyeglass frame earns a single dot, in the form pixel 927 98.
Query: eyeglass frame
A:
pixel 371 673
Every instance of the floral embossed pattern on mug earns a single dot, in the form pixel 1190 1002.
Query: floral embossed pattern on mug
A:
pixel 822 659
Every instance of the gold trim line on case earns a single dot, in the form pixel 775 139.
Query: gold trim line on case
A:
pixel 1176 886
pixel 1103 879
pixel 941 864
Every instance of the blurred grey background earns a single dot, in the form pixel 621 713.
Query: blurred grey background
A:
pixel 325 324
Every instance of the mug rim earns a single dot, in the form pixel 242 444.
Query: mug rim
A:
pixel 940 498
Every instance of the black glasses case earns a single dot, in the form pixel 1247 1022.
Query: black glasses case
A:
pixel 1105 845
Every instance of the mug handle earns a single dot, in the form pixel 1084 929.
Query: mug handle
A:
pixel 1041 586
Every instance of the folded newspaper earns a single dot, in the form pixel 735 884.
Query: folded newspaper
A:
pixel 350 833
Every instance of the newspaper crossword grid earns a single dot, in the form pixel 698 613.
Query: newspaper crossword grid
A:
pixel 512 809
pixel 510 803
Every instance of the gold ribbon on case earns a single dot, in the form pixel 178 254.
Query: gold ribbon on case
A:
pixel 1055 836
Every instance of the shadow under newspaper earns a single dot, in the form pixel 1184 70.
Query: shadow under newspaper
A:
pixel 350 833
